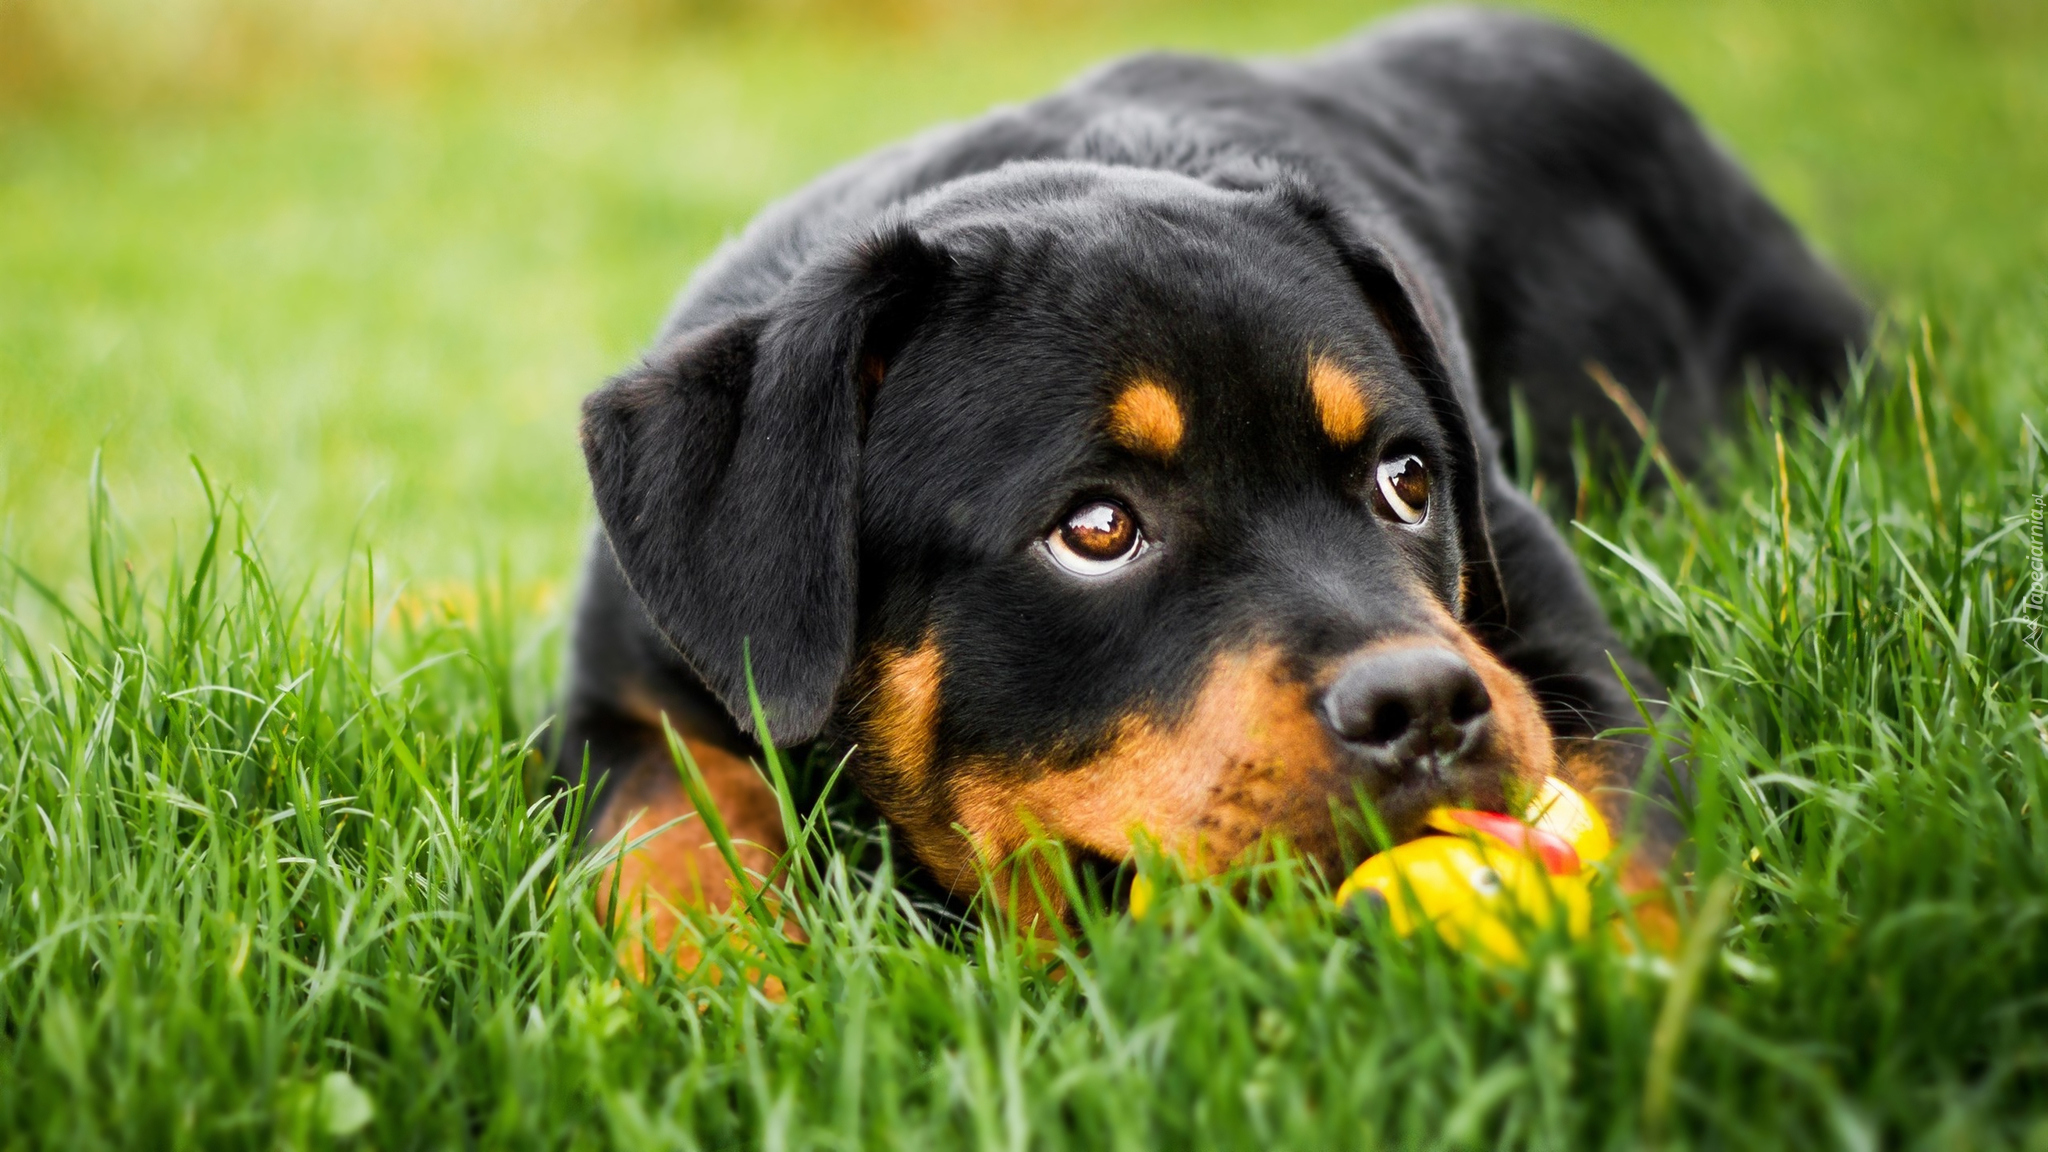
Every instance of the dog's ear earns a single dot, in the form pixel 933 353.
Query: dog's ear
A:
pixel 1411 312
pixel 726 470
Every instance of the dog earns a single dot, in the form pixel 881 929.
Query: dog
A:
pixel 1126 463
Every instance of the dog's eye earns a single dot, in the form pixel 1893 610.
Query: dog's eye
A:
pixel 1404 489
pixel 1096 538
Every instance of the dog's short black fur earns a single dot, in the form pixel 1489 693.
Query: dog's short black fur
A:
pixel 857 440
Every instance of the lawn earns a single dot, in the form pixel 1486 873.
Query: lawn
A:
pixel 291 504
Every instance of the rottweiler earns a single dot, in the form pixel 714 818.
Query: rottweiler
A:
pixel 1127 462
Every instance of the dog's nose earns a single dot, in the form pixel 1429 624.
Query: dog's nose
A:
pixel 1409 709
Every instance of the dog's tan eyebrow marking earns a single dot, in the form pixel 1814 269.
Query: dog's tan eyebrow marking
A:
pixel 1340 401
pixel 1146 419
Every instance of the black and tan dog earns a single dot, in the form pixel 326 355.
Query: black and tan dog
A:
pixel 1126 461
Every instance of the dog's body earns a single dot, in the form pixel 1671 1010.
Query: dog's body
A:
pixel 1126 461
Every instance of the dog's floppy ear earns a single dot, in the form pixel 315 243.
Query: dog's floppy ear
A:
pixel 1435 356
pixel 726 470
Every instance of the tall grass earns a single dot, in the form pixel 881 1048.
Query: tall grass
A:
pixel 274 871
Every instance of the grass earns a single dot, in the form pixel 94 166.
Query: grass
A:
pixel 272 868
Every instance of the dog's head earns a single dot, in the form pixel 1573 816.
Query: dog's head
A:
pixel 1084 498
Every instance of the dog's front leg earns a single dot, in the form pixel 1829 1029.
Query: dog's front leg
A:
pixel 656 882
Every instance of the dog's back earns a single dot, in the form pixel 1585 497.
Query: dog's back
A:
pixel 1577 213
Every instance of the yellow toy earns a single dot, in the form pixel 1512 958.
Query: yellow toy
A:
pixel 1482 873
pixel 1485 873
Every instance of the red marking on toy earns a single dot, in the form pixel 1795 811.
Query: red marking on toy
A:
pixel 1556 853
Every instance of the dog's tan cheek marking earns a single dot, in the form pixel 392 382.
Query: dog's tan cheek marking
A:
pixel 1248 757
pixel 1146 419
pixel 896 729
pixel 1340 401
pixel 903 727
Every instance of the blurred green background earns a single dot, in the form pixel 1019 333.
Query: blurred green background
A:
pixel 362 259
